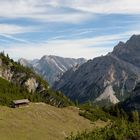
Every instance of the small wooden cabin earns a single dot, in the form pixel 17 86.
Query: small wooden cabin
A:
pixel 20 103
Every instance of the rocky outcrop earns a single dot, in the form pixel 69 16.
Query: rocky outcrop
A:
pixel 31 84
pixel 18 78
pixel 117 73
pixel 6 74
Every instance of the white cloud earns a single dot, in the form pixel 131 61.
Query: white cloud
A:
pixel 63 17
pixel 51 11
pixel 102 6
pixel 50 49
pixel 9 30
pixel 88 47
pixel 40 10
pixel 15 29
pixel 6 36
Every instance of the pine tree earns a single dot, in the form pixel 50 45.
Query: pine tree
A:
pixel 134 116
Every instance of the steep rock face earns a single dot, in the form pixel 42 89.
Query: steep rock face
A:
pixel 129 51
pixel 27 79
pixel 51 68
pixel 19 78
pixel 119 69
pixel 31 84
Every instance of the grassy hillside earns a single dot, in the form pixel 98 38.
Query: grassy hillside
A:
pixel 42 122
pixel 20 81
pixel 10 92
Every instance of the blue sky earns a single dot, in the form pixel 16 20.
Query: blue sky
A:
pixel 69 28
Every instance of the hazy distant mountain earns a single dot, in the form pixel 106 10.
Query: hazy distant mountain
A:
pixel 109 78
pixel 52 67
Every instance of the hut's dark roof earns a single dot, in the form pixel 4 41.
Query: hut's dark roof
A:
pixel 21 101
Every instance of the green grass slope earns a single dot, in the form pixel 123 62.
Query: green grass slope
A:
pixel 40 121
pixel 10 92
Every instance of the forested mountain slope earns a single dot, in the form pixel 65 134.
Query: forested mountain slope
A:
pixel 20 80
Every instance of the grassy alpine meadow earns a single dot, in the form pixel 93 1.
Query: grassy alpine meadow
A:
pixel 40 121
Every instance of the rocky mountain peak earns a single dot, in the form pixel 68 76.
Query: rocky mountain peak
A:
pixel 133 43
pixel 52 67
pixel 23 61
pixel 118 48
pixel 112 77
pixel 134 39
pixel 44 58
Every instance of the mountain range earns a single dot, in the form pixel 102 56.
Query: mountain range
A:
pixel 51 67
pixel 107 79
pixel 110 78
